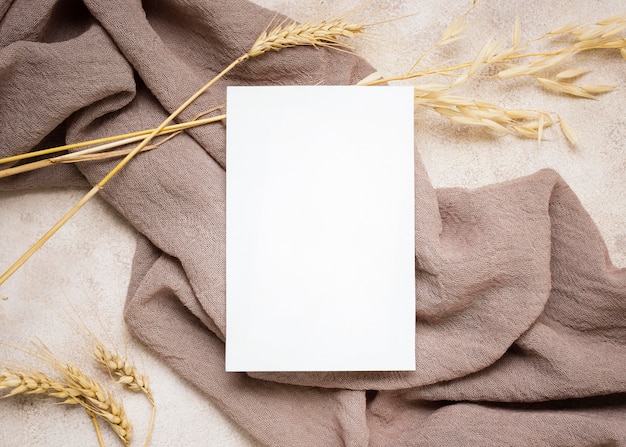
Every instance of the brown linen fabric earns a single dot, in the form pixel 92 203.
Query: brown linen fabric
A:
pixel 521 317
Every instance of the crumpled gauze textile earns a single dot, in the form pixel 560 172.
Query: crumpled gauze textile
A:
pixel 521 317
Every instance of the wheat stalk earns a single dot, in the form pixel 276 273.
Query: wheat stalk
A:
pixel 96 426
pixel 103 151
pixel 114 141
pixel 76 387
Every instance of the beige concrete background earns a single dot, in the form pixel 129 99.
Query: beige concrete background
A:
pixel 78 280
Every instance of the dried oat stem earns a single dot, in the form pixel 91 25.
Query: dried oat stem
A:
pixel 325 33
pixel 545 62
pixel 467 111
pixel 439 97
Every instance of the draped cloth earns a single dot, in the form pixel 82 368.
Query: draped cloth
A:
pixel 521 317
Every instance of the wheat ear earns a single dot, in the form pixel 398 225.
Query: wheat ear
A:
pixel 320 34
pixel 309 34
pixel 128 376
pixel 100 402
pixel 36 382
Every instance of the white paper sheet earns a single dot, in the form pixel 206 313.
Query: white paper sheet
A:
pixel 320 229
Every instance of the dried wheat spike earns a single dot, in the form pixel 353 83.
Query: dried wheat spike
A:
pixel 100 402
pixel 35 382
pixel 128 375
pixel 115 415
pixel 321 34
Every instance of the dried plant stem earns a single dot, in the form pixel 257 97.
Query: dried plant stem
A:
pixel 86 155
pixel 523 123
pixel 444 70
pixel 96 427
pixel 150 426
pixel 11 270
pixel 98 152
pixel 325 33
pixel 129 137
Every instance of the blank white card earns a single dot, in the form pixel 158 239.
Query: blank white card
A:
pixel 320 267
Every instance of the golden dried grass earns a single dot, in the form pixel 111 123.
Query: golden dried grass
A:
pixel 75 388
pixel 325 33
pixel 571 73
pixel 466 111
pixel 125 372
pixel 568 131
pixel 583 91
pixel 99 401
pixel 601 35
pixel 476 113
pixel 128 376
pixel 21 381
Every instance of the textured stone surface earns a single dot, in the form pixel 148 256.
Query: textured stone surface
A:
pixel 79 278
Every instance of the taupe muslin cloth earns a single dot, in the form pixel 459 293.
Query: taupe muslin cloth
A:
pixel 521 328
